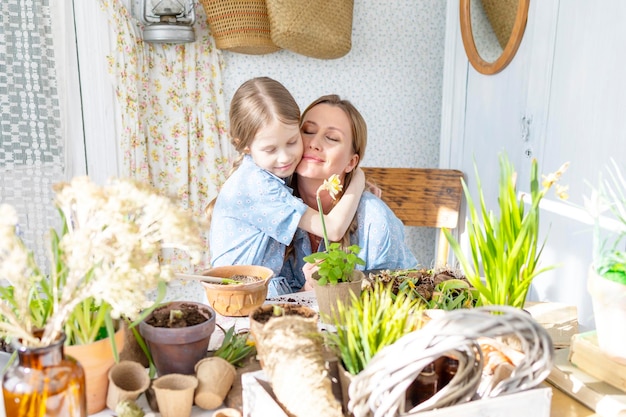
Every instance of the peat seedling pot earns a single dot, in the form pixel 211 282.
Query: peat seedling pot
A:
pixel 180 339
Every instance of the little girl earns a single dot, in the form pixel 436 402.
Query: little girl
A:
pixel 254 217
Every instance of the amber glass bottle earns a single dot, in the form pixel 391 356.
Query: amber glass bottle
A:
pixel 425 386
pixel 44 383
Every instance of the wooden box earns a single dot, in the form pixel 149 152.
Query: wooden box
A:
pixel 259 401
pixel 586 355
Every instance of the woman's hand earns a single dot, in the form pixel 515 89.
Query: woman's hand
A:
pixel 308 270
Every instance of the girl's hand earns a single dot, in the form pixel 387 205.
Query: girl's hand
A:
pixel 308 270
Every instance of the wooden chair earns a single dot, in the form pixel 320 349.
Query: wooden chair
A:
pixel 422 197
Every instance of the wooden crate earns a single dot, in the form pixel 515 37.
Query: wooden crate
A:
pixel 586 355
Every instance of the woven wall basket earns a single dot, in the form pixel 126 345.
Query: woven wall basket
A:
pixel 501 15
pixel 240 25
pixel 315 28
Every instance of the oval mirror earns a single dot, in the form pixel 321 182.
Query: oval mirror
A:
pixel 492 31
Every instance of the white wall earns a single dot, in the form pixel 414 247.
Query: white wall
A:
pixel 567 80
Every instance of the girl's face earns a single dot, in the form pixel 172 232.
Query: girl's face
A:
pixel 327 138
pixel 277 148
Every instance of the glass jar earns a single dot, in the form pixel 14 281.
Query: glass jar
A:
pixel 44 382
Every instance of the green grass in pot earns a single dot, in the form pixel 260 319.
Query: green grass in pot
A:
pixel 376 319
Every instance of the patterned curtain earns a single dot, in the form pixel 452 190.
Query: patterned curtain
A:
pixel 172 112
pixel 32 149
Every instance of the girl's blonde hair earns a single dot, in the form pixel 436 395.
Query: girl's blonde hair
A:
pixel 358 128
pixel 256 103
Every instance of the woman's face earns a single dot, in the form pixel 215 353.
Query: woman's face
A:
pixel 327 139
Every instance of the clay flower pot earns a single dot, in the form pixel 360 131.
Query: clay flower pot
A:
pixel 127 380
pixel 329 295
pixel 96 359
pixel 174 394
pixel 237 300
pixel 177 350
pixel 215 378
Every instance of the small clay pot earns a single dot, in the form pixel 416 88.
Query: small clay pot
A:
pixel 174 394
pixel 215 378
pixel 127 380
pixel 237 300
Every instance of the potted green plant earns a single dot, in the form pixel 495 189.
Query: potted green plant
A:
pixel 607 275
pixel 337 276
pixel 370 322
pixel 505 248
pixel 102 262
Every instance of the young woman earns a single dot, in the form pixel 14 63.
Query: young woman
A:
pixel 255 215
pixel 335 136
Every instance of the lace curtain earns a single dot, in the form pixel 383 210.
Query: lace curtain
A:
pixel 172 112
pixel 32 149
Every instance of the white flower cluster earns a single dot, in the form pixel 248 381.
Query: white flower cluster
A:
pixel 109 250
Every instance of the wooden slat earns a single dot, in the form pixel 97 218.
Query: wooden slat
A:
pixel 420 196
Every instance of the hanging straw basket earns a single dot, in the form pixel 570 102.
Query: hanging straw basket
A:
pixel 315 28
pixel 501 15
pixel 241 26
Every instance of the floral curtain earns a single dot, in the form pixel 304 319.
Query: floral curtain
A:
pixel 174 129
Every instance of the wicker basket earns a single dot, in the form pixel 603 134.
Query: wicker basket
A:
pixel 315 28
pixel 501 15
pixel 241 26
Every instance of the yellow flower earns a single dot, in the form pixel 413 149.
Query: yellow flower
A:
pixel 332 185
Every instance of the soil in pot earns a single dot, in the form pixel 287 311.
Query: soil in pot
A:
pixel 189 315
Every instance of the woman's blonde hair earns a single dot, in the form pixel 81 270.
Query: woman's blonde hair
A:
pixel 256 103
pixel 358 129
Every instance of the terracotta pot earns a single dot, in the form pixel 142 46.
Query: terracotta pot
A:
pixel 609 308
pixel 96 359
pixel 127 380
pixel 215 378
pixel 329 295
pixel 237 300
pixel 174 394
pixel 177 350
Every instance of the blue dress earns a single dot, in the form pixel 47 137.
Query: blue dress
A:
pixel 254 219
pixel 380 235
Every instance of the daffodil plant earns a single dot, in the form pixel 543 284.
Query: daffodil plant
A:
pixel 335 264
pixel 506 249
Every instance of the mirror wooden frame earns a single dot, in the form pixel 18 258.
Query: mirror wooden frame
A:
pixel 482 66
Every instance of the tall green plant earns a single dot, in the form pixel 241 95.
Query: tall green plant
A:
pixel 505 248
pixel 371 322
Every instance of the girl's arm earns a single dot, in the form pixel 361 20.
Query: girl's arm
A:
pixel 340 217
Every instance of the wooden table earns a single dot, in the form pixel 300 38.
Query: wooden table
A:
pixel 565 406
